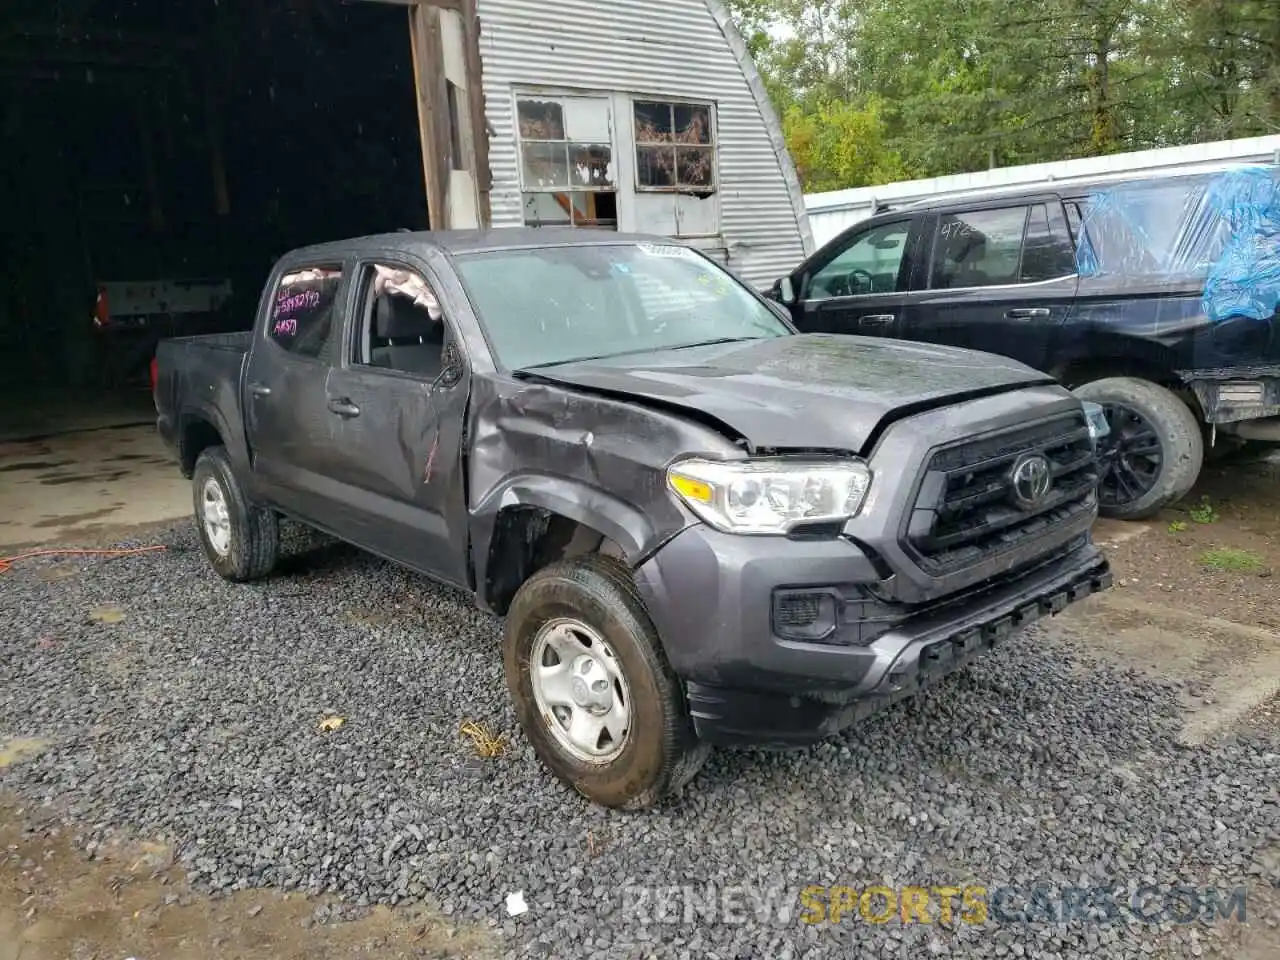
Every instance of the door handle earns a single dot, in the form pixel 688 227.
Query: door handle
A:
pixel 877 319
pixel 344 407
pixel 259 390
pixel 1027 313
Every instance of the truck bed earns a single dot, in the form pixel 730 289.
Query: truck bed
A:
pixel 200 377
pixel 237 342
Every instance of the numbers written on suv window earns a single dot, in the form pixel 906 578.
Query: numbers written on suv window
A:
pixel 302 313
pixel 1008 245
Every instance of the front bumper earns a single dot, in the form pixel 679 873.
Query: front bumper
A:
pixel 713 599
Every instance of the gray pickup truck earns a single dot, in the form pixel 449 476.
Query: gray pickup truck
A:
pixel 701 526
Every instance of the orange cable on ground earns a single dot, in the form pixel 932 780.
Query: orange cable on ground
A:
pixel 6 563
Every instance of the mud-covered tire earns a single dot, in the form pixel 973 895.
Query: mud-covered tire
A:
pixel 1124 493
pixel 252 542
pixel 660 752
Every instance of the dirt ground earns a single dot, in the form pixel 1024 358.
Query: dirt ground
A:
pixel 55 904
pixel 1196 598
pixel 64 488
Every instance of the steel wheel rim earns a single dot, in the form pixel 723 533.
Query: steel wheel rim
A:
pixel 1130 458
pixel 580 690
pixel 215 516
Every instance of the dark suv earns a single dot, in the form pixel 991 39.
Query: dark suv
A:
pixel 1116 290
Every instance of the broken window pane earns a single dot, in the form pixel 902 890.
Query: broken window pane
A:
pixel 656 166
pixel 547 210
pixel 692 123
pixel 653 122
pixel 689 165
pixel 695 166
pixel 545 164
pixel 596 209
pixel 591 164
pixel 540 120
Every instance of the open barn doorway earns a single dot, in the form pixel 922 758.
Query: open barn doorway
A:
pixel 159 155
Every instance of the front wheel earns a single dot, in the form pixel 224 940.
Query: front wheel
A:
pixel 593 689
pixel 1154 452
pixel 240 539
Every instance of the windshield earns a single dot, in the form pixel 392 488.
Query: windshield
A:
pixel 556 304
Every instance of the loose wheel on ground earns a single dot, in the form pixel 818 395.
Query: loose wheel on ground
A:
pixel 1155 450
pixel 592 687
pixel 240 539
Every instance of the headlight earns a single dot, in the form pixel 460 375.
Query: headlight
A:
pixel 770 496
pixel 1097 417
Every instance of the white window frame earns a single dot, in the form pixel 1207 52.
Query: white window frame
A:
pixel 712 108
pixel 558 96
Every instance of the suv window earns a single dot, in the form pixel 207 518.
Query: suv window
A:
pixel 1046 253
pixel 1075 217
pixel 303 312
pixel 980 248
pixel 871 263
pixel 401 324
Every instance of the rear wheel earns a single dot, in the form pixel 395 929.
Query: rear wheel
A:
pixel 1154 452
pixel 593 689
pixel 241 540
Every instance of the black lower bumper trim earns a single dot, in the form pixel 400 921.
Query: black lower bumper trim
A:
pixel 755 718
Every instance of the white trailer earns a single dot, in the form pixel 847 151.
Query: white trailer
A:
pixel 830 214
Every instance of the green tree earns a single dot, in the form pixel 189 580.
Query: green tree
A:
pixel 879 89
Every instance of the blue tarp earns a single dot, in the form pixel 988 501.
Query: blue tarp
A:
pixel 1223 229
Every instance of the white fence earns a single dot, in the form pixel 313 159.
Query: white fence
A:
pixel 832 213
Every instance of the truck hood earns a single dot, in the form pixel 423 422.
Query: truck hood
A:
pixel 811 391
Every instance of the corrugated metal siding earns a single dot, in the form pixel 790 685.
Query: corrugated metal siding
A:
pixel 656 47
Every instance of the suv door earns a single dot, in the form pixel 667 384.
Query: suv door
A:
pixel 856 284
pixel 1001 277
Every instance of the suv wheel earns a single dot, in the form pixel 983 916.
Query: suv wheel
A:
pixel 241 540
pixel 593 689
pixel 1155 450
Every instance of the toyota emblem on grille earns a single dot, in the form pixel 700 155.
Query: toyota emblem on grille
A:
pixel 1031 479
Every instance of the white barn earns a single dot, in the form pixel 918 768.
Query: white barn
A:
pixel 635 115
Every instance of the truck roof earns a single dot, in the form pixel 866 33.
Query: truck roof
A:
pixel 476 241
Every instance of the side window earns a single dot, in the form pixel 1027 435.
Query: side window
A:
pixel 401 325
pixel 1075 217
pixel 302 316
pixel 870 264
pixel 981 248
pixel 1046 253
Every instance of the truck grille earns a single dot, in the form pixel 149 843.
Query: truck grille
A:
pixel 969 507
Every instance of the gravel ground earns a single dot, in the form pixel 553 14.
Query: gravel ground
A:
pixel 182 707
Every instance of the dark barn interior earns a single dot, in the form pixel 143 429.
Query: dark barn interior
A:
pixel 181 140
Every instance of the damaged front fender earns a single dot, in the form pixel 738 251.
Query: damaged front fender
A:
pixel 596 462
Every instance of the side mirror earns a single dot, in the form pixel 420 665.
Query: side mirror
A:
pixel 451 372
pixel 786 291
